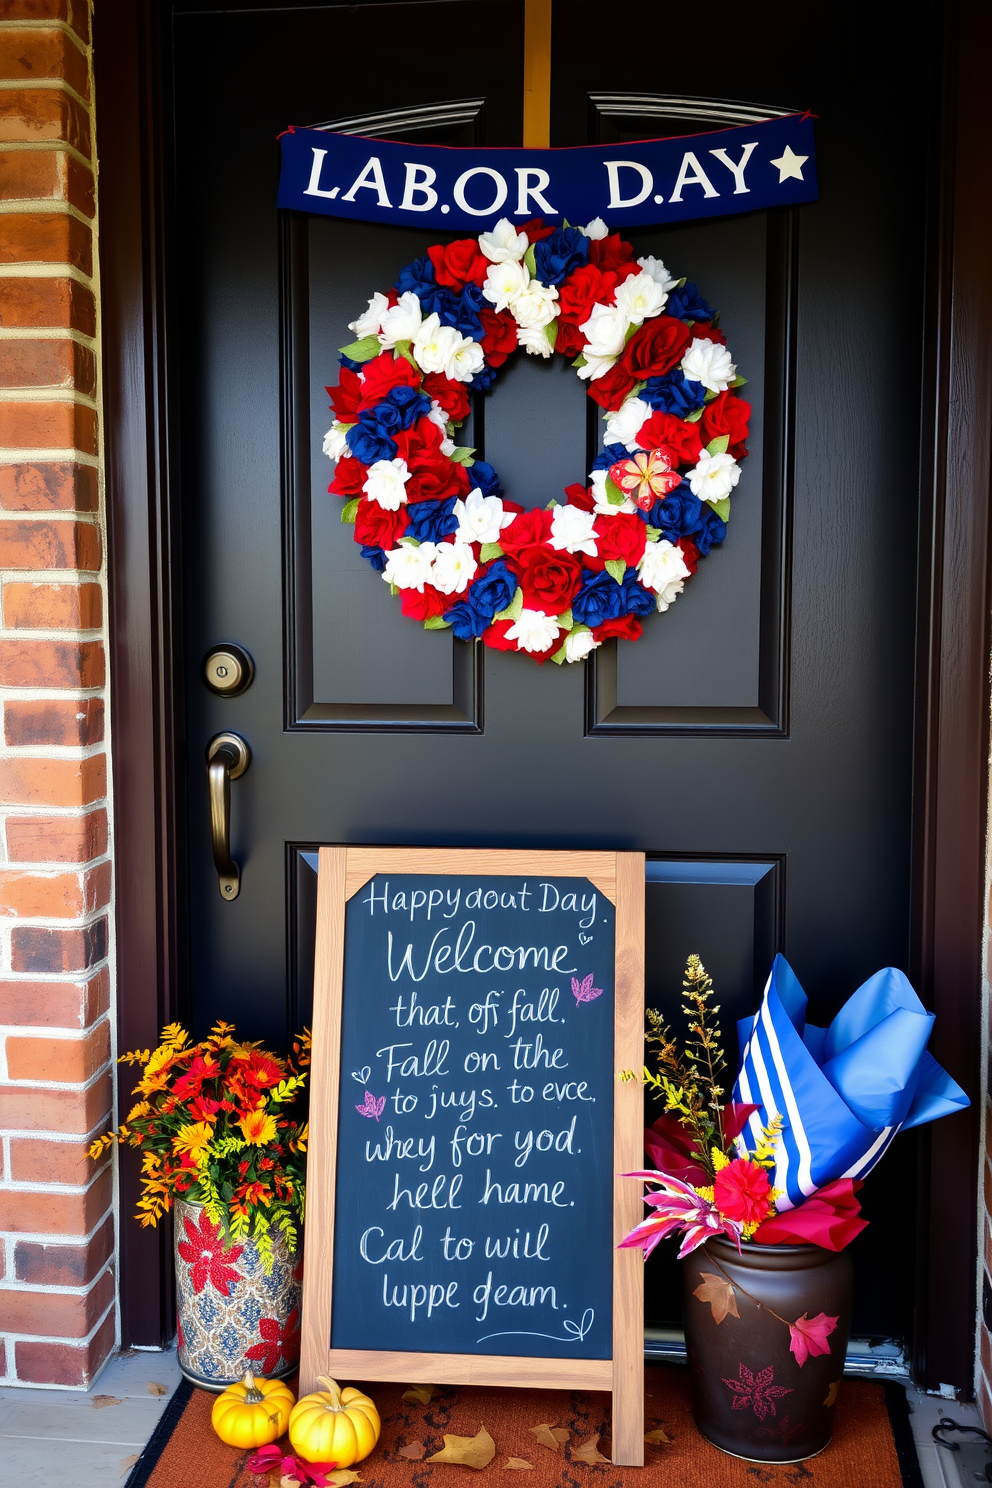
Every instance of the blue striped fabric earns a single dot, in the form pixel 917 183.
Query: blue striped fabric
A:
pixel 843 1092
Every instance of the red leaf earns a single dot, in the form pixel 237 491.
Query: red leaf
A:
pixel 809 1336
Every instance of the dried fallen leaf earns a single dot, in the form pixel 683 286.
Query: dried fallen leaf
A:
pixel 832 1393
pixel 419 1394
pixel 589 1452
pixel 127 1463
pixel 467 1451
pixel 518 1462
pixel 656 1436
pixel 154 1388
pixel 100 1401
pixel 719 1293
pixel 342 1477
pixel 414 1451
pixel 553 1437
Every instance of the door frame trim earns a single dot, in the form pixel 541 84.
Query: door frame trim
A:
pixel 950 779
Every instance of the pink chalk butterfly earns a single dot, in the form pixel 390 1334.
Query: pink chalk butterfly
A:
pixel 584 991
pixel 372 1107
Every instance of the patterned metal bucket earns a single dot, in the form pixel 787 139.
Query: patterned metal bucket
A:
pixel 231 1315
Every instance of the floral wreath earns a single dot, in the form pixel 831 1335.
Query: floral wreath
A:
pixel 432 520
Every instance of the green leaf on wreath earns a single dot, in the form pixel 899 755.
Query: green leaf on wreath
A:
pixel 349 509
pixel 436 622
pixel 551 331
pixel 405 350
pixel 489 551
pixel 680 283
pixel 530 262
pixel 654 533
pixel 463 455
pixel 362 351
pixel 722 508
pixel 580 361
pixel 559 656
pixel 614 495
pixel 393 590
pixel 410 542
pixel 629 332
pixel 694 416
pixel 718 446
pixel 616 568
pixel 710 395
pixel 738 381
pixel 565 619
pixel 637 389
pixel 514 608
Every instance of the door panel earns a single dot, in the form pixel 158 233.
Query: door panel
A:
pixel 766 719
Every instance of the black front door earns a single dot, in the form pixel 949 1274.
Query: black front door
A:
pixel 757 742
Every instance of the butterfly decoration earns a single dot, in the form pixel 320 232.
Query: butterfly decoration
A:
pixel 584 991
pixel 646 475
pixel 371 1107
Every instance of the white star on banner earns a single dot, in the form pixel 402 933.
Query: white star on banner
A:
pixel 790 164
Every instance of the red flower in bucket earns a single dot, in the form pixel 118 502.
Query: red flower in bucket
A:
pixel 277 1343
pixel 645 476
pixel 741 1191
pixel 207 1257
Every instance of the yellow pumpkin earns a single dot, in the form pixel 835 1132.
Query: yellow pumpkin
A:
pixel 252 1413
pixel 334 1425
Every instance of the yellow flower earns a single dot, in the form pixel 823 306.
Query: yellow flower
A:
pixel 719 1161
pixel 193 1138
pixel 258 1128
pixel 141 1109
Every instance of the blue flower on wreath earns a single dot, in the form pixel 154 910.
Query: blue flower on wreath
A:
pixel 483 381
pixel 681 514
pixel 375 556
pixel 484 599
pixel 635 599
pixel 600 598
pixel 454 310
pixel 482 474
pixel 609 455
pixel 688 304
pixel 350 363
pixel 366 440
pixel 430 521
pixel 417 278
pixel 674 393
pixel 402 406
pixel 711 531
pixel 556 257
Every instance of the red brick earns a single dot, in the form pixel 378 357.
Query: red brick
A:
pixel 64 1265
pixel 27 175
pixel 33 1160
pixel 51 721
pixel 59 1313
pixel 34 949
pixel 42 364
pixel 52 606
pixel 27 1212
pixel 55 1004
pixel 48 426
pixel 3 1360
pixel 50 545
pixel 31 663
pixel 46 237
pixel 97 884
pixel 53 782
pixel 75 13
pixel 38 896
pixel 44 114
pixel 64 1363
pixel 36 54
pixel 63 304
pixel 56 839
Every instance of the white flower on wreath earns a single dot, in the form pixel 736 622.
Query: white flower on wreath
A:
pixel 658 272
pixel 402 322
pixel 440 348
pixel 534 339
pixel 605 332
pixel 572 530
pixel 709 363
pixel 370 320
pixel 336 442
pixel 534 631
pixel 579 643
pixel 603 507
pixel 481 519
pixel 624 426
pixel 663 570
pixel 385 482
pixel 409 566
pixel 504 282
pixel 713 476
pixel 447 447
pixel 641 297
pixel 535 306
pixel 504 243
pixel 595 230
pixel 454 567
pixel 438 416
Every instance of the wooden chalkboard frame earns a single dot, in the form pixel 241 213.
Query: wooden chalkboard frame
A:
pixel 619 876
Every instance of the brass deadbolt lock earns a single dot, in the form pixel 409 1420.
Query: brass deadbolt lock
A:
pixel 227 670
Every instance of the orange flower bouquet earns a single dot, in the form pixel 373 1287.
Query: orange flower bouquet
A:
pixel 221 1123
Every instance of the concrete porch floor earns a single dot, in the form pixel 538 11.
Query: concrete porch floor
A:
pixel 52 1437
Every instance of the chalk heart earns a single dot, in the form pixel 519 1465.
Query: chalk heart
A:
pixel 584 939
pixel 362 1075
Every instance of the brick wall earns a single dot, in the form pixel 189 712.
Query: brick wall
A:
pixel 57 1283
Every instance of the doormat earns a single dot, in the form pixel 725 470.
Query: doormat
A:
pixel 872 1441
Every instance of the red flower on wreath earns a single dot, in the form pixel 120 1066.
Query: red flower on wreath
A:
pixel 645 476
pixel 277 1343
pixel 208 1259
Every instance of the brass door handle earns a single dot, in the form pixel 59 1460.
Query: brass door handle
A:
pixel 228 757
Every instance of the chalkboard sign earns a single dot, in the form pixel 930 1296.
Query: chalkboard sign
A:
pixel 471 1009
